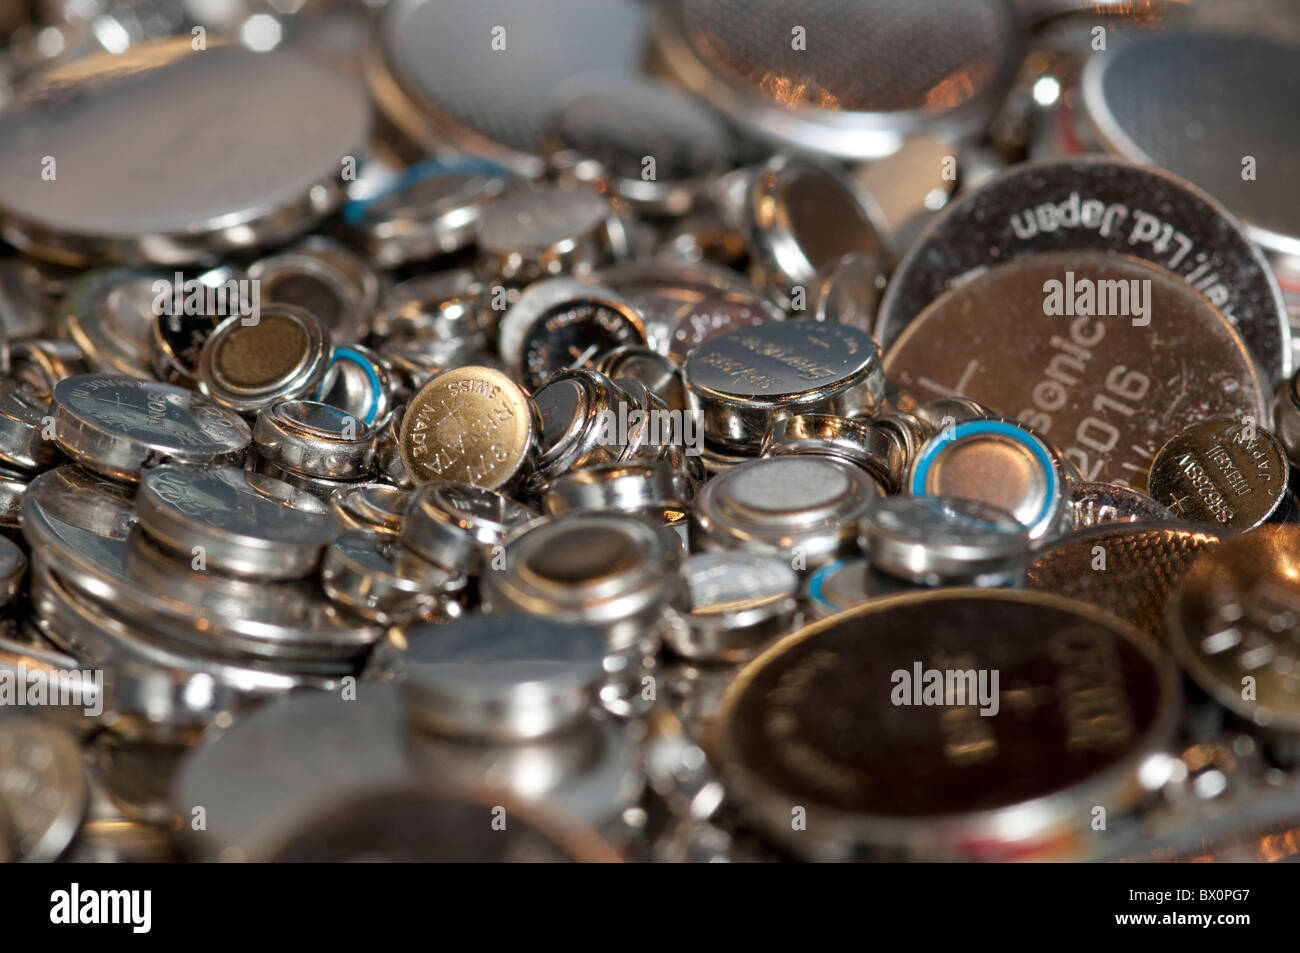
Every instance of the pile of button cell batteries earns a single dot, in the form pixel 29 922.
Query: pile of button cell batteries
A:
pixel 688 430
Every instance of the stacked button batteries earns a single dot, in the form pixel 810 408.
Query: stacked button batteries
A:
pixel 659 454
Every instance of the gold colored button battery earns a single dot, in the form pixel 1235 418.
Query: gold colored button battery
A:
pixel 472 425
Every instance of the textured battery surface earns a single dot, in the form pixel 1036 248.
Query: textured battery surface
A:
pixel 869 57
pixel 1128 571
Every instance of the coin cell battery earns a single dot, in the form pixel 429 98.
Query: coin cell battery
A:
pixel 459 526
pixel 532 232
pixel 935 541
pixel 1105 383
pixel 747 379
pixel 1094 204
pixel 246 364
pixel 1234 625
pixel 976 771
pixel 470 425
pixel 430 209
pixel 244 523
pixel 1222 471
pixel 999 463
pixel 365 573
pixel 22 428
pixel 372 507
pixel 252 156
pixel 857 87
pixel 314 285
pixel 615 572
pixel 739 602
pixel 500 676
pixel 800 217
pixel 602 128
pixel 119 426
pixel 561 324
pixel 1236 86
pixel 315 440
pixel 802 509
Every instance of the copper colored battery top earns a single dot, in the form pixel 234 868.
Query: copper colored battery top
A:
pixel 1107 357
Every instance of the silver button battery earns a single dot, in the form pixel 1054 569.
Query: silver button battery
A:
pixel 286 118
pixel 316 286
pixel 686 303
pixel 460 101
pixel 371 507
pixel 121 426
pixel 804 509
pixel 658 373
pixel 246 364
pixel 446 306
pixel 848 289
pixel 459 526
pixel 23 416
pixel 1098 504
pixel 429 209
pixel 243 523
pixel 498 676
pixel 748 378
pixel 314 439
pixel 109 314
pixel 38 364
pixel 366 574
pixel 653 488
pixel 800 217
pixel 738 603
pixel 358 382
pixel 862 444
pixel 614 572
pixel 1001 463
pixel 935 541
pixel 848 583
pixel 576 407
pixel 532 232
pixel 602 129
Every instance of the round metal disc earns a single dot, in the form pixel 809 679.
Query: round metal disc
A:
pixel 847 78
pixel 1106 390
pixel 835 720
pixel 1102 205
pixel 476 78
pixel 250 151
pixel 1130 571
pixel 1199 105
